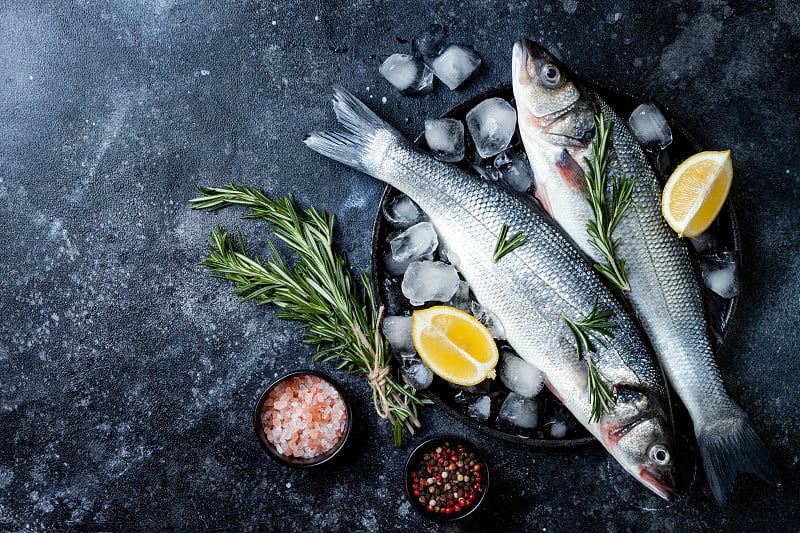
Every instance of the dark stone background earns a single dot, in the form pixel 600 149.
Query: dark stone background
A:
pixel 128 375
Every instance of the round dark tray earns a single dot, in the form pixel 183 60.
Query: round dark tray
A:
pixel 386 286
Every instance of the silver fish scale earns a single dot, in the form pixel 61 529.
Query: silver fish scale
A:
pixel 665 291
pixel 528 288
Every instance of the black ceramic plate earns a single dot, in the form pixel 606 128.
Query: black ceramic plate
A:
pixel 452 399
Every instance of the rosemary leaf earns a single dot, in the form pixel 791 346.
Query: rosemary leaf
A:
pixel 338 317
pixel 606 217
pixel 505 246
pixel 590 330
pixel 599 392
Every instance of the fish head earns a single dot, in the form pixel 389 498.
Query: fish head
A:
pixel 556 124
pixel 639 436
pixel 550 102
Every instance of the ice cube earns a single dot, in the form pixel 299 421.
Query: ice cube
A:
pixel 705 242
pixel 449 256
pixel 455 64
pixel 414 243
pixel 402 212
pixel 461 299
pixel 445 138
pixel 397 330
pixel 720 273
pixel 480 409
pixel 491 124
pixel 488 319
pixel 650 127
pixel 518 175
pixel 504 159
pixel 426 281
pixel 417 374
pixel 489 173
pixel 519 411
pixel 407 73
pixel 430 43
pixel 558 429
pixel 520 376
pixel 398 268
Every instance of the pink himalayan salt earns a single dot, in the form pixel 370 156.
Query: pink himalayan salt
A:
pixel 304 416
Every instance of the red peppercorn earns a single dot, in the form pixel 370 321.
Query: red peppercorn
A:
pixel 448 510
pixel 454 458
pixel 413 474
pixel 430 508
pixel 457 508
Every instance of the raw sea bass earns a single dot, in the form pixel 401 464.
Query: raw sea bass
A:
pixel 556 126
pixel 527 289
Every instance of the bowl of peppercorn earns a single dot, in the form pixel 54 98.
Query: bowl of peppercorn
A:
pixel 446 478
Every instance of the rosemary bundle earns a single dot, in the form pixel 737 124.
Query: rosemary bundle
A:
pixel 319 292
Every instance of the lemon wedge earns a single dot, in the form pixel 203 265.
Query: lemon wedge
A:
pixel 695 192
pixel 454 345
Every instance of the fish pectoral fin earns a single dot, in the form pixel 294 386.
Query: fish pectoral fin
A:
pixel 571 172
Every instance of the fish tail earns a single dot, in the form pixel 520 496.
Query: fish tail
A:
pixel 355 142
pixel 730 446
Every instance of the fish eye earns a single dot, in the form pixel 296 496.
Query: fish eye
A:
pixel 659 454
pixel 551 75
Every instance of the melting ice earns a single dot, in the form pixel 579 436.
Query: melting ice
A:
pixel 445 138
pixel 650 127
pixel 519 411
pixel 455 64
pixel 426 281
pixel 417 241
pixel 407 73
pixel 491 124
pixel 397 330
pixel 417 374
pixel 402 212
pixel 720 273
pixel 520 376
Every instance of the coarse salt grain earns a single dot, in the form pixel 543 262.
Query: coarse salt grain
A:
pixel 304 416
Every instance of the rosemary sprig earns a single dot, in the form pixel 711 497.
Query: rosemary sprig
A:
pixel 338 317
pixel 606 217
pixel 586 332
pixel 505 246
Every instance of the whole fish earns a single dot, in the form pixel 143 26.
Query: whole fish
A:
pixel 527 289
pixel 556 121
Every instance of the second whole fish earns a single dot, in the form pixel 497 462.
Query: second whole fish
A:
pixel 556 121
pixel 527 289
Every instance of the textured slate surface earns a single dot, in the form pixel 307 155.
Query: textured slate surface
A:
pixel 127 375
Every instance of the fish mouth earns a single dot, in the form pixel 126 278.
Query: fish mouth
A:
pixel 660 481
